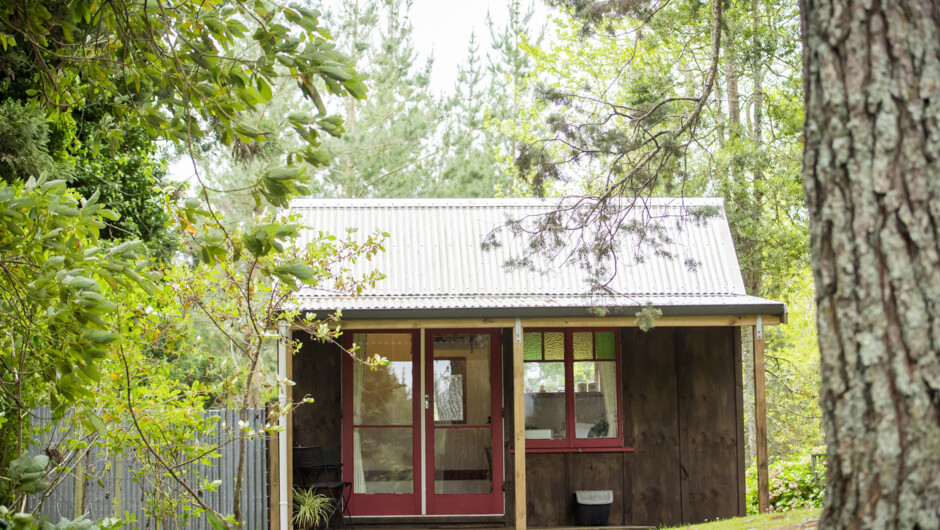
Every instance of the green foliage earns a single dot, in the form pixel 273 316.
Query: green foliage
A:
pixel 23 137
pixel 52 291
pixel 646 317
pixel 128 179
pixel 792 367
pixel 311 509
pixel 27 475
pixel 794 484
pixel 125 177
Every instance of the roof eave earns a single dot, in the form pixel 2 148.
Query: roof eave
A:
pixel 704 310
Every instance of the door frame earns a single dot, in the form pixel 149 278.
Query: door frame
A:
pixel 467 504
pixel 422 502
pixel 384 503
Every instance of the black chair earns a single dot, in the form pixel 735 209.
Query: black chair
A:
pixel 321 470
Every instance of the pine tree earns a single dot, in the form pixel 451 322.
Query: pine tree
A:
pixel 387 150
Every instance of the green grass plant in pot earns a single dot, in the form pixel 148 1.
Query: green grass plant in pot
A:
pixel 311 509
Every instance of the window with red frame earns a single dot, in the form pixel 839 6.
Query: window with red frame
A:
pixel 572 388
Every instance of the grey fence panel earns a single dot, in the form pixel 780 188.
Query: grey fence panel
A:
pixel 113 485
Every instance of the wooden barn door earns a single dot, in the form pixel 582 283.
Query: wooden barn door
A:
pixel 464 474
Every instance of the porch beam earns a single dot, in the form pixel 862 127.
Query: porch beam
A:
pixel 518 417
pixel 581 322
pixel 760 420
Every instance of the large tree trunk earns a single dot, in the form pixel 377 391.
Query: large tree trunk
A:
pixel 872 133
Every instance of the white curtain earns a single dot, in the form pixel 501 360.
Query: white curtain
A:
pixel 359 478
pixel 608 375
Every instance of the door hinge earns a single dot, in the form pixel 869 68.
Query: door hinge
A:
pixel 502 412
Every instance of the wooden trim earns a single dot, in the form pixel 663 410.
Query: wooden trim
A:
pixel 583 322
pixel 738 367
pixel 542 450
pixel 417 521
pixel 518 415
pixel 760 421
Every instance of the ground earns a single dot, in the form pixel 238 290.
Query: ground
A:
pixel 793 520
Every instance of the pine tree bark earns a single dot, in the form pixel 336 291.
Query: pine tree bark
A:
pixel 872 150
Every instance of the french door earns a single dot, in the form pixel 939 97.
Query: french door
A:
pixel 419 431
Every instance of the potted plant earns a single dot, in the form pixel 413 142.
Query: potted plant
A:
pixel 311 509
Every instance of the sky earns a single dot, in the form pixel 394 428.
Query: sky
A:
pixel 444 27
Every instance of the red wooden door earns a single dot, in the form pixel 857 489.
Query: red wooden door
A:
pixel 459 436
pixel 463 422
pixel 381 424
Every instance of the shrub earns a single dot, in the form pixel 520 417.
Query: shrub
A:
pixel 793 484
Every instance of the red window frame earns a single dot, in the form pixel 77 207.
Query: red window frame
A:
pixel 571 441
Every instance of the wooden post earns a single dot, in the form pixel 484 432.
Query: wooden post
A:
pixel 118 502
pixel 518 416
pixel 760 420
pixel 78 502
pixel 274 487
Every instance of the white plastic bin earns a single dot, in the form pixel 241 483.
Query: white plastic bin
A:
pixel 594 507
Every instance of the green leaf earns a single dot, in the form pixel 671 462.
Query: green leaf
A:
pixel 298 270
pixel 216 522
pixel 97 425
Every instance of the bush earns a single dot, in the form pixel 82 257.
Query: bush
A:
pixel 793 484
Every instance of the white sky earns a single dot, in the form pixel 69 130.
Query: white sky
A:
pixel 444 27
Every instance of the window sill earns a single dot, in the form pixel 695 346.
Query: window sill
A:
pixel 575 450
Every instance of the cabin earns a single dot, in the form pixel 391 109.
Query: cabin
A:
pixel 507 390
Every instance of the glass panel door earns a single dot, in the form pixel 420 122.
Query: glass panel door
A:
pixel 464 474
pixel 384 470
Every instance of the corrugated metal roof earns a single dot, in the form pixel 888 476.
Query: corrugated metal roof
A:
pixel 435 260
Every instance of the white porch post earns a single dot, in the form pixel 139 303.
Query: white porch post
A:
pixel 282 446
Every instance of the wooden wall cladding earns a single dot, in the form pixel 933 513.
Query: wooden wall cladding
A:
pixel 649 364
pixel 546 490
pixel 553 478
pixel 596 471
pixel 317 373
pixel 686 423
pixel 707 424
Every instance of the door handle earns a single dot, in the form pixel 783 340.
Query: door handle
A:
pixel 427 402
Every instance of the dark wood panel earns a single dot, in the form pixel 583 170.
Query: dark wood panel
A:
pixel 650 367
pixel 595 471
pixel 317 374
pixel 707 424
pixel 546 490
pixel 627 493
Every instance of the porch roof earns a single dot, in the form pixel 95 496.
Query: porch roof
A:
pixel 437 267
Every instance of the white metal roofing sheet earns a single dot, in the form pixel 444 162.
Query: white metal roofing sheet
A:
pixel 434 256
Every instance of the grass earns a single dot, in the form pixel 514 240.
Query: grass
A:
pixel 791 519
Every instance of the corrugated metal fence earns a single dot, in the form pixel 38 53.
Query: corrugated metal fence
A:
pixel 116 490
